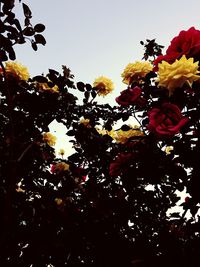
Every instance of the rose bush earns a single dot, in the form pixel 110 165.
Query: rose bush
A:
pixel 108 203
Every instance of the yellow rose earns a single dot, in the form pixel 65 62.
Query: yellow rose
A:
pixel 169 149
pixel 46 87
pixel 101 131
pixel 61 166
pixel 134 72
pixel 61 152
pixel 17 71
pixel 182 71
pixel 85 122
pixel 103 85
pixel 20 190
pixel 58 201
pixel 123 136
pixel 104 132
pixel 49 138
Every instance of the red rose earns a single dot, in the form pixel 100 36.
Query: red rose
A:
pixel 121 164
pixel 80 173
pixel 186 43
pixel 166 121
pixel 130 96
pixel 187 199
pixel 169 58
pixel 53 168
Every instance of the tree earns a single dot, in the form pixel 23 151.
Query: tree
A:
pixel 94 208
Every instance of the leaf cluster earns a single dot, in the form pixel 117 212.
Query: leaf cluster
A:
pixel 12 31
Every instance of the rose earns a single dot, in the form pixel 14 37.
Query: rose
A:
pixel 124 136
pixel 186 43
pixel 103 85
pixel 175 75
pixel 135 72
pixel 120 164
pixel 168 58
pixel 80 173
pixel 49 138
pixel 16 71
pixel 187 199
pixel 42 87
pixel 166 121
pixel 59 167
pixel 130 96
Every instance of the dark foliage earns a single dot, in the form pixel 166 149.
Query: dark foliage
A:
pixel 93 208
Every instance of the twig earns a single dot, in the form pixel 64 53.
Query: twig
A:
pixel 24 152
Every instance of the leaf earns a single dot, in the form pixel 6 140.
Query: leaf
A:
pixel 108 126
pixel 194 210
pixel 13 32
pixel 28 31
pixel 88 87
pixel 80 86
pixel 67 72
pixel 21 40
pixel 8 5
pixel 39 27
pixel 70 133
pixel 93 93
pixel 40 39
pixel 125 127
pixel 10 18
pixel 2 28
pixel 74 157
pixel 34 46
pixel 27 11
pixel 53 72
pixel 145 121
pixel 125 116
pixel 3 55
pixel 40 79
pixel 17 24
pixel 180 187
pixel 27 22
pixel 78 149
pixel 175 215
pixel 11 53
pixel 87 95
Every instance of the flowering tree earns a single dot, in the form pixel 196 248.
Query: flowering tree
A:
pixel 108 203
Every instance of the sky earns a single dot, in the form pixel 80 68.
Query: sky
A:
pixel 95 38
